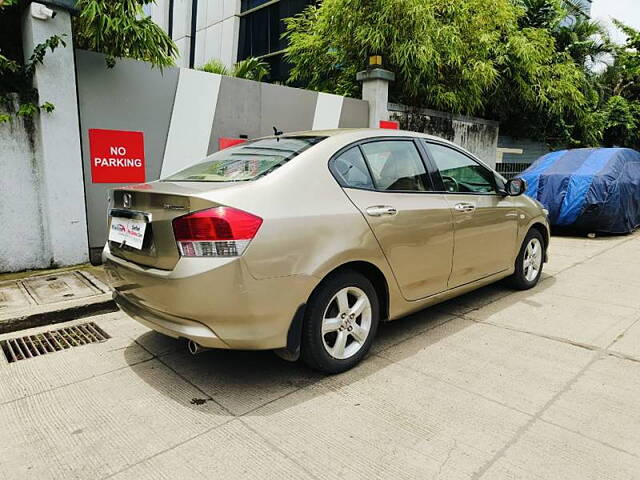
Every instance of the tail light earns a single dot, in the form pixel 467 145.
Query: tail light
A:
pixel 215 232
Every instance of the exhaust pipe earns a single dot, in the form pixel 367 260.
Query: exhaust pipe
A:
pixel 194 348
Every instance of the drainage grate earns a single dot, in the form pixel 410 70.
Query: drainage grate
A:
pixel 52 341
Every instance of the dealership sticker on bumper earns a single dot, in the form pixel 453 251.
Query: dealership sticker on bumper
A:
pixel 128 231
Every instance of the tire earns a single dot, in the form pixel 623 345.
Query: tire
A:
pixel 346 340
pixel 524 278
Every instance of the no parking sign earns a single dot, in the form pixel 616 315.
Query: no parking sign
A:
pixel 117 156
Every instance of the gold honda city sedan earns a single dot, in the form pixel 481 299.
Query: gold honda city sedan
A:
pixel 303 243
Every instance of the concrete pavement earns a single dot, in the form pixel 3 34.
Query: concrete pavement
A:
pixel 493 385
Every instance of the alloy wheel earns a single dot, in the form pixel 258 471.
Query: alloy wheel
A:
pixel 532 260
pixel 346 323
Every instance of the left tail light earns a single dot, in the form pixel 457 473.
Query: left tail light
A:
pixel 215 232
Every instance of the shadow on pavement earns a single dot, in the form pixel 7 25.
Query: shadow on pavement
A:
pixel 243 381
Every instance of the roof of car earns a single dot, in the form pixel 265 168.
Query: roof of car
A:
pixel 357 134
pixel 364 132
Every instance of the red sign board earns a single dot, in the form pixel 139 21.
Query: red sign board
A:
pixel 117 156
pixel 226 142
pixel 389 124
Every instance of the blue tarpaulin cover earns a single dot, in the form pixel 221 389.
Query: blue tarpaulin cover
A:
pixel 594 189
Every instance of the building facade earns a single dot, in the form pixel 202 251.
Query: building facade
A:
pixel 227 30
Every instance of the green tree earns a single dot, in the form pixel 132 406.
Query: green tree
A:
pixel 620 108
pixel 541 13
pixel 461 56
pixel 120 28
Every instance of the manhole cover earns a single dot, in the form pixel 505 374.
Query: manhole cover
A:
pixel 12 297
pixel 60 287
pixel 40 344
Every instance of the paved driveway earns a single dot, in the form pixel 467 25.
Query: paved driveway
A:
pixel 493 385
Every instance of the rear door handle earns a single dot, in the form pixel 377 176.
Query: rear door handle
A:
pixel 380 210
pixel 464 207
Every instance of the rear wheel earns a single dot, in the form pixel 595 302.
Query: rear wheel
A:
pixel 528 267
pixel 341 321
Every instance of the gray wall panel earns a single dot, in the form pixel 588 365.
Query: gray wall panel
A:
pixel 130 96
pixel 238 111
pixel 355 113
pixel 289 109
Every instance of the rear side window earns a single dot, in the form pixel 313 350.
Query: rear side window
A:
pixel 396 166
pixel 246 161
pixel 350 169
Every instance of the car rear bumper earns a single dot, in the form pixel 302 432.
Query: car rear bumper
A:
pixel 212 301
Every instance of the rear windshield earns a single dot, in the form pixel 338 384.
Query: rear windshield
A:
pixel 246 161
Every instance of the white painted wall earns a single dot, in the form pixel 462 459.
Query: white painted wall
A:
pixel 194 109
pixel 328 110
pixel 42 197
pixel 22 236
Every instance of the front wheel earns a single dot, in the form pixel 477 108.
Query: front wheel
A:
pixel 528 267
pixel 341 321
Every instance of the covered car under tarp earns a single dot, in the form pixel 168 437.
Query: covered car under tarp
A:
pixel 591 189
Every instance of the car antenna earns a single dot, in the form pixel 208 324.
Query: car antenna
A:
pixel 277 133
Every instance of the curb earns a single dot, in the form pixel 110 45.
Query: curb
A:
pixel 95 299
pixel 52 317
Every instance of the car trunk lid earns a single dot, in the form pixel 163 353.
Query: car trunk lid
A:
pixel 159 203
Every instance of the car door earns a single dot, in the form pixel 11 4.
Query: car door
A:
pixel 388 182
pixel 485 222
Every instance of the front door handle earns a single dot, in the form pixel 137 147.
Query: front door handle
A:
pixel 380 210
pixel 464 207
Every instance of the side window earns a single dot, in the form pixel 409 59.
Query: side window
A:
pixel 460 173
pixel 396 166
pixel 350 169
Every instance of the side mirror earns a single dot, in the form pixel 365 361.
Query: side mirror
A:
pixel 515 187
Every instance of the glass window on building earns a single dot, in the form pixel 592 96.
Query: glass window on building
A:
pixel 261 29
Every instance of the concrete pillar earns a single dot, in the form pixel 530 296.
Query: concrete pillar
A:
pixel 375 90
pixel 60 166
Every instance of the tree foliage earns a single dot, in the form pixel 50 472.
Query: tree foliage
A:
pixel 462 56
pixel 120 28
pixel 620 106
pixel 16 77
pixel 540 14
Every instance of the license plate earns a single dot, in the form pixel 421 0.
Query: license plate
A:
pixel 127 231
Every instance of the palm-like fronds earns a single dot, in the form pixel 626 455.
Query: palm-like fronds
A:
pixel 584 40
pixel 215 66
pixel 249 69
